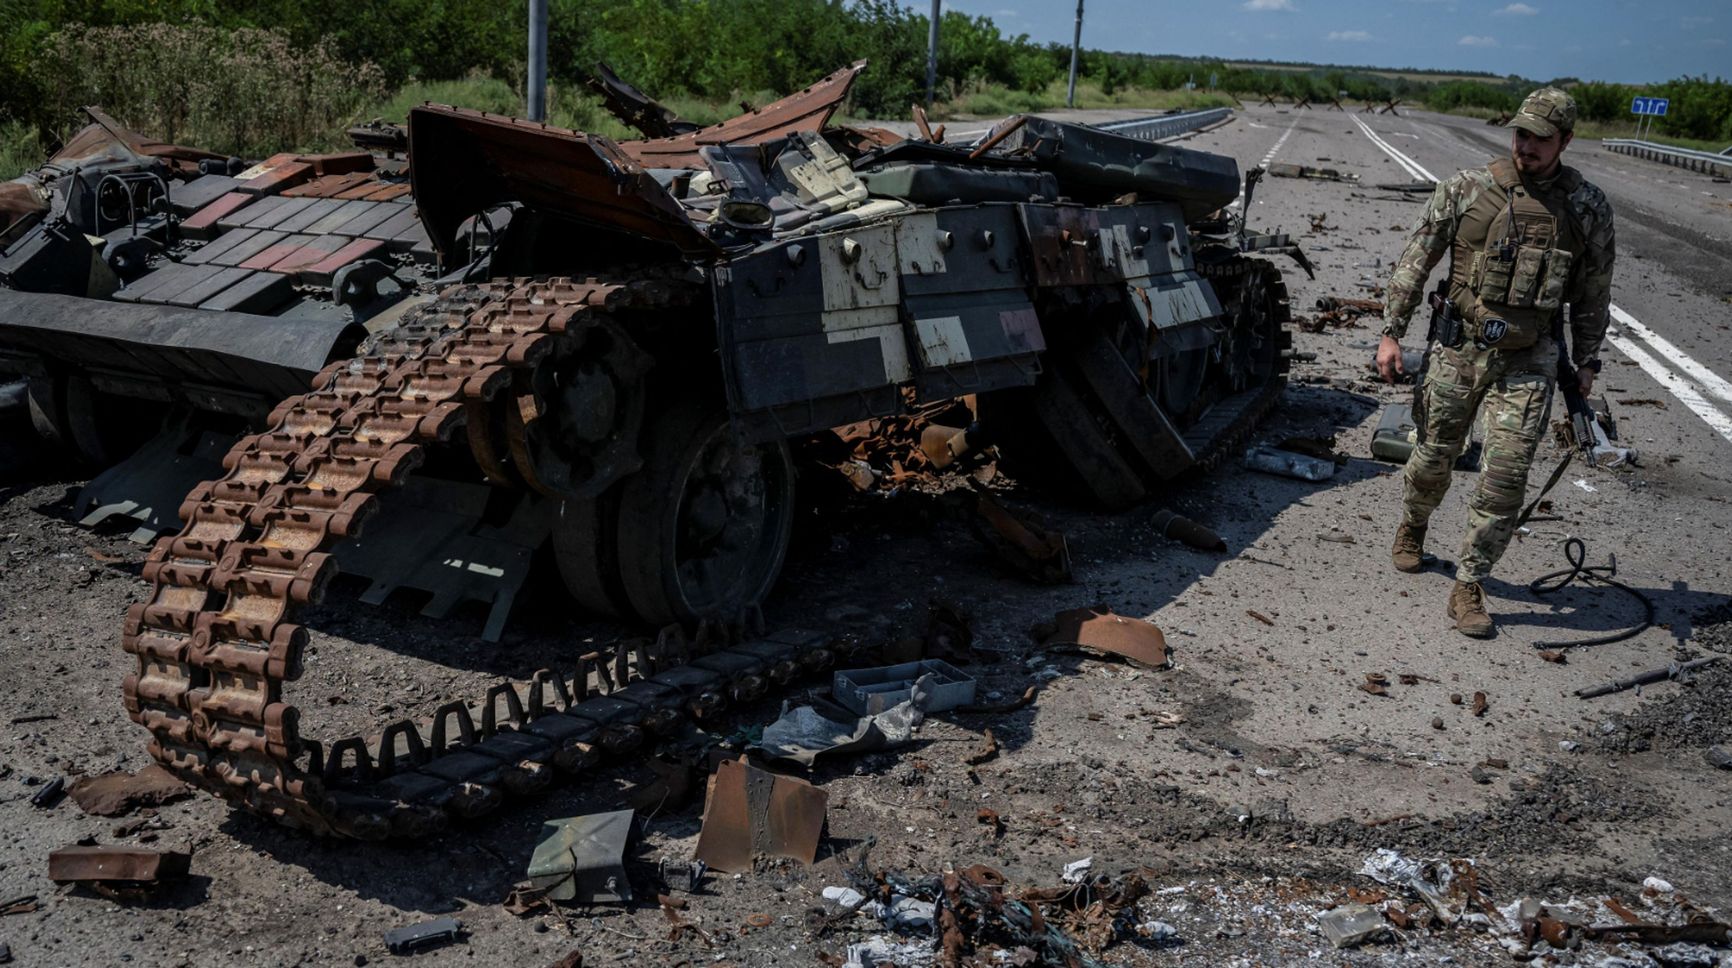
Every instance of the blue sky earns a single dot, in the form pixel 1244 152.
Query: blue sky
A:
pixel 1607 40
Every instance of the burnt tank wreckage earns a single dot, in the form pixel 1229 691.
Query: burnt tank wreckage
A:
pixel 518 335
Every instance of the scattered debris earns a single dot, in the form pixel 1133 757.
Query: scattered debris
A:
pixel 882 951
pixel 420 937
pixel 682 875
pixel 50 793
pixel 1283 170
pixel 119 872
pixel 1480 704
pixel 1259 616
pixel 988 750
pixel 582 859
pixel 1077 870
pixel 990 817
pixel 1351 925
pixel 1676 670
pixel 753 813
pixel 1553 655
pixel 804 733
pixel 1415 187
pixel 1097 630
pixel 1168 524
pixel 1447 887
pixel 999 709
pixel 976 911
pixel 118 793
pixel 1322 448
pixel 1717 756
pixel 1338 312
pixel 19 905
pixel 1375 683
pixel 34 718
pixel 872 691
pixel 1027 546
pixel 1287 464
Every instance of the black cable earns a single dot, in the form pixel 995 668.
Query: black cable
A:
pixel 1576 553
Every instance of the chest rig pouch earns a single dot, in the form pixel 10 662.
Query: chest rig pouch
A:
pixel 1517 280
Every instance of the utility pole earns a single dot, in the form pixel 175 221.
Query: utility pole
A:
pixel 1076 42
pixel 932 52
pixel 538 60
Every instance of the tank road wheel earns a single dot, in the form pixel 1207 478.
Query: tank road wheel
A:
pixel 703 528
pixel 70 413
pixel 584 536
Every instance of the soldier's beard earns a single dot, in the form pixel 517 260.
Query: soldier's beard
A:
pixel 1535 166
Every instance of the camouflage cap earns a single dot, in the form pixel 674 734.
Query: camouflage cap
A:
pixel 1546 112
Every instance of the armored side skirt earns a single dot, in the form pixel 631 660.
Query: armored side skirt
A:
pixel 214 360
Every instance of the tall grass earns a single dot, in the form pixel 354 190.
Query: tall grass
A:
pixel 20 149
pixel 243 92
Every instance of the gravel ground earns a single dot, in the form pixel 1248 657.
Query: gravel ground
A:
pixel 1249 815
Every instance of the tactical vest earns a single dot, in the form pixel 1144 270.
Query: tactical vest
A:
pixel 1511 259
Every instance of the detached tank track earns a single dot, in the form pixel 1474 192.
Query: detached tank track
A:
pixel 1226 442
pixel 216 642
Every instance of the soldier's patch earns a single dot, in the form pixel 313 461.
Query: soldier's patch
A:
pixel 1494 329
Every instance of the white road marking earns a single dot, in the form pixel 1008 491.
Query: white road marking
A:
pixel 1687 393
pixel 1240 200
pixel 1279 142
pixel 1413 168
pixel 1679 387
pixel 1709 380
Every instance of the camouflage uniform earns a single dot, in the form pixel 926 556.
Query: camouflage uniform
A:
pixel 1514 385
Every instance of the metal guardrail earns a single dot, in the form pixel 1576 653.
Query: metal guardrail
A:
pixel 1166 125
pixel 1701 161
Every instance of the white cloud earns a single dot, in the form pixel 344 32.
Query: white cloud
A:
pixel 1517 10
pixel 1353 35
pixel 1268 4
pixel 1472 41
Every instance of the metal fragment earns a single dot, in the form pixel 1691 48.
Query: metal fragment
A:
pixel 428 934
pixel 754 813
pixel 582 859
pixel 1098 629
pixel 116 865
pixel 50 793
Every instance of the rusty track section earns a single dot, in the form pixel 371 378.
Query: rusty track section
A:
pixel 217 642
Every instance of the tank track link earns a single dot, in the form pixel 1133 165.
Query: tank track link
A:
pixel 217 642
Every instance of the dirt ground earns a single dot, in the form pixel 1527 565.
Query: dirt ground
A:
pixel 1249 810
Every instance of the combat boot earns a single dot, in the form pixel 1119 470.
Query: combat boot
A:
pixel 1409 552
pixel 1467 607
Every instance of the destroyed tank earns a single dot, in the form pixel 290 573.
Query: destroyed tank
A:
pixel 518 336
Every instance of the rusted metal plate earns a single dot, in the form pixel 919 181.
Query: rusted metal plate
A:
pixel 107 864
pixel 805 110
pixel 467 161
pixel 753 813
pixel 1098 629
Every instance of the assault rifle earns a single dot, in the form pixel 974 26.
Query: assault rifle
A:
pixel 1581 415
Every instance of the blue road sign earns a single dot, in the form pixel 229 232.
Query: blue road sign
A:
pixel 1650 106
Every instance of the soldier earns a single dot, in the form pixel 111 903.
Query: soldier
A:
pixel 1525 235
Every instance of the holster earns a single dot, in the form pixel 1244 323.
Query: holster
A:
pixel 1447 326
